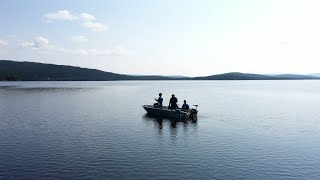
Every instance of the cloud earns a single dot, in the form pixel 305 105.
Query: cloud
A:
pixel 65 15
pixel 38 43
pixel 27 44
pixel 114 51
pixel 62 15
pixel 87 17
pixel 95 26
pixel 119 51
pixel 79 39
pixel 41 44
pixel 3 42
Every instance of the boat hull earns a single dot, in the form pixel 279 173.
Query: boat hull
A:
pixel 165 112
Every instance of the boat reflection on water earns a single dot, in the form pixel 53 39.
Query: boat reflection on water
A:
pixel 174 125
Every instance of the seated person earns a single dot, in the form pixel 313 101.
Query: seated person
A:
pixel 158 104
pixel 173 103
pixel 185 106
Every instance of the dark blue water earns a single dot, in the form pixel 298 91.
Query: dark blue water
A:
pixel 98 130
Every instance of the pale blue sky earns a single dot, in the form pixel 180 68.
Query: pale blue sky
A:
pixel 167 37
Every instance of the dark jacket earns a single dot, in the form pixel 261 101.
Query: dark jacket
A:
pixel 173 102
pixel 185 107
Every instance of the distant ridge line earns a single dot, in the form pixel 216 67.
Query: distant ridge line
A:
pixel 35 71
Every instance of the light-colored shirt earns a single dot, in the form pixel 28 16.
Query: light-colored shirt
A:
pixel 160 100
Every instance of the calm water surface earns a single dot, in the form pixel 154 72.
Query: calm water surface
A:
pixel 98 130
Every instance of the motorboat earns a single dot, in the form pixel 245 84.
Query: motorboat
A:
pixel 165 112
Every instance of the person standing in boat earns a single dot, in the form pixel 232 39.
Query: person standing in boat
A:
pixel 173 103
pixel 185 106
pixel 158 104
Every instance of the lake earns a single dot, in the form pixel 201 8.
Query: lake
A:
pixel 98 130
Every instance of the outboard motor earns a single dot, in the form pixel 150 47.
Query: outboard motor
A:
pixel 192 113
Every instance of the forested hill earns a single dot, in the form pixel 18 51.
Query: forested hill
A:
pixel 32 71
pixel 246 76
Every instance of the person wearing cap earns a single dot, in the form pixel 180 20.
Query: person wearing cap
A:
pixel 158 104
pixel 173 103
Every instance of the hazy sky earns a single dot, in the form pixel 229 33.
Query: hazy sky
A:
pixel 166 37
